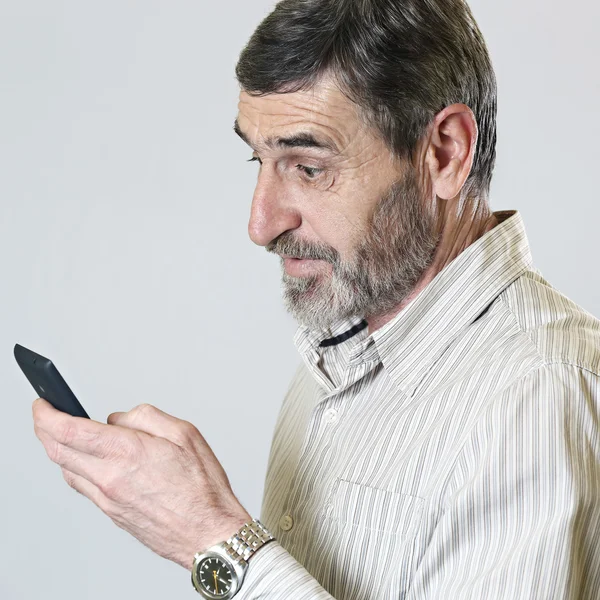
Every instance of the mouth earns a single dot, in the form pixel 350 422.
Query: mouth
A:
pixel 298 267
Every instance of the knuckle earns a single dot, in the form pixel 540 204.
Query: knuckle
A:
pixel 69 478
pixel 144 408
pixel 188 430
pixel 186 434
pixel 67 433
pixel 112 488
pixel 54 451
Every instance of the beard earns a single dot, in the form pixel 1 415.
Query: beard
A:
pixel 397 248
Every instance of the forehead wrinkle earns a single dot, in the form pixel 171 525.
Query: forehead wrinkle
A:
pixel 320 115
pixel 320 131
pixel 310 110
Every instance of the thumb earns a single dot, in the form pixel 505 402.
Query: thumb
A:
pixel 113 418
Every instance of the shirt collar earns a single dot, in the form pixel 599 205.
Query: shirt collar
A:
pixel 409 343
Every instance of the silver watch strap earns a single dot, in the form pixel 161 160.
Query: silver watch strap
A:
pixel 246 541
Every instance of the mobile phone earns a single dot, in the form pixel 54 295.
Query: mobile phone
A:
pixel 48 382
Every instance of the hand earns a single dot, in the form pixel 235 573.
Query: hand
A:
pixel 153 474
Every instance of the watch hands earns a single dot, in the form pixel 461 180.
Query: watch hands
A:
pixel 216 584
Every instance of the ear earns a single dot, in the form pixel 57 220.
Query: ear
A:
pixel 451 150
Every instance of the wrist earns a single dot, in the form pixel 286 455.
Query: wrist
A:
pixel 218 571
pixel 223 529
pixel 227 526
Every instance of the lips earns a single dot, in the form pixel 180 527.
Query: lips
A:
pixel 301 267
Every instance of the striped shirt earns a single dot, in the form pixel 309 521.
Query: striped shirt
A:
pixel 453 453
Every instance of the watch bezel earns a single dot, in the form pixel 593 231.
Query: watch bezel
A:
pixel 238 570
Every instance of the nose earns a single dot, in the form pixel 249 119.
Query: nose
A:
pixel 272 212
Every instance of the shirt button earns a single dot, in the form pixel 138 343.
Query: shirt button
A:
pixel 330 415
pixel 286 522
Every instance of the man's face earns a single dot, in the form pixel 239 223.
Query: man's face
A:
pixel 331 195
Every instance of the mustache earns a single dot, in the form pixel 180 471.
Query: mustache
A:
pixel 288 245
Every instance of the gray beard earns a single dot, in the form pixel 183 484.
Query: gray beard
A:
pixel 397 249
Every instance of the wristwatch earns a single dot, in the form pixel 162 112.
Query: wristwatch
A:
pixel 218 572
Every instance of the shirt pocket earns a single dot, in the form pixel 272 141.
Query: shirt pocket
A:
pixel 365 545
pixel 375 509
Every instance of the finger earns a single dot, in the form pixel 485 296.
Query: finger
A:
pixel 113 418
pixel 86 488
pixel 154 421
pixel 85 465
pixel 78 433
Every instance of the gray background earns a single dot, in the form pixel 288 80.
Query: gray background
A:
pixel 124 254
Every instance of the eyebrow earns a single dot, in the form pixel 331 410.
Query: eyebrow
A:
pixel 303 139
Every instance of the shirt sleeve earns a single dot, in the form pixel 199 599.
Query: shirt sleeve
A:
pixel 274 574
pixel 522 518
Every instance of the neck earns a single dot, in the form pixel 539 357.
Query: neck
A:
pixel 458 228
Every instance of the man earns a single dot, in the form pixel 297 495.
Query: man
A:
pixel 440 438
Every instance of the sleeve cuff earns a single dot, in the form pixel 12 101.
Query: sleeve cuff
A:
pixel 274 574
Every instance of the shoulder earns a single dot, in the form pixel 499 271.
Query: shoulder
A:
pixel 562 332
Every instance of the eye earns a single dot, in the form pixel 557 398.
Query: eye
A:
pixel 255 158
pixel 310 172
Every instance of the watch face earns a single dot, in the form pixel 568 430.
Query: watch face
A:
pixel 215 576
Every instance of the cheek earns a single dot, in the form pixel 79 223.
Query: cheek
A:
pixel 337 217
pixel 336 225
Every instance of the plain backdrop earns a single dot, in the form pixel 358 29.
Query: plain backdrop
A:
pixel 124 254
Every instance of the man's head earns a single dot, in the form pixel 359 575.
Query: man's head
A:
pixel 364 114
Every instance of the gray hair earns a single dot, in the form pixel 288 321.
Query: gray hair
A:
pixel 400 61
